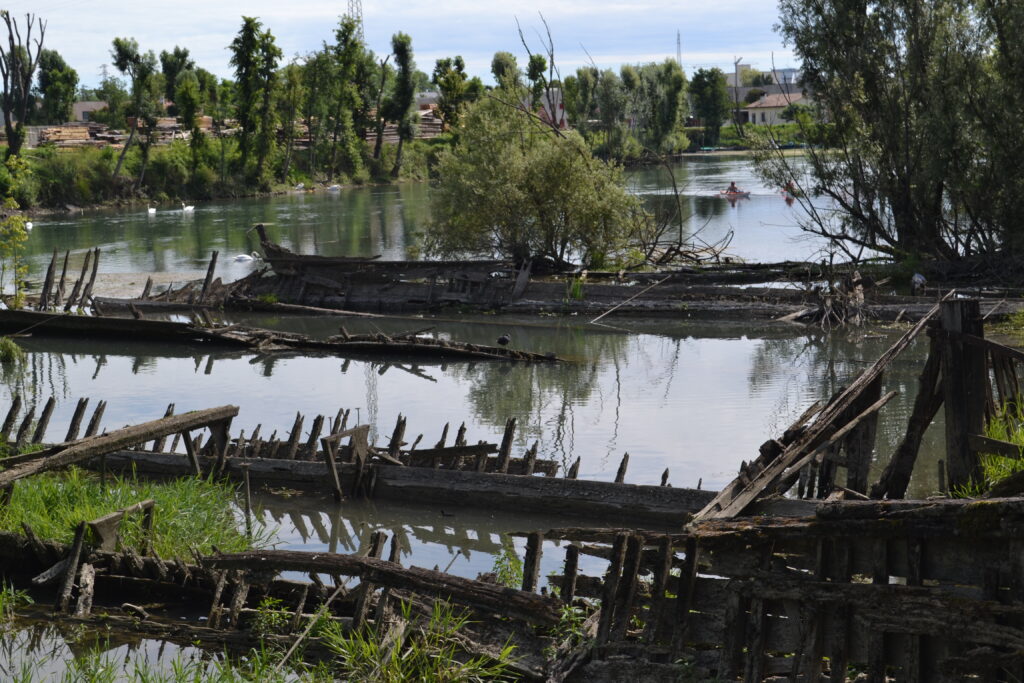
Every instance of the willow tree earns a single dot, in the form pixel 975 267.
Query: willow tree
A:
pixel 516 188
pixel 892 81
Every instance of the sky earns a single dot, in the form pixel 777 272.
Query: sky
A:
pixel 607 32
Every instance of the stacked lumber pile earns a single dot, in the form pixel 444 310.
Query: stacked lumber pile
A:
pixel 66 136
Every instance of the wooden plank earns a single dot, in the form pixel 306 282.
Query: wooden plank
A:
pixel 724 506
pixel 983 444
pixel 964 373
pixel 117 440
pixel 530 607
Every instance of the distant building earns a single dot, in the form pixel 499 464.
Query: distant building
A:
pixel 427 100
pixel 82 111
pixel 767 110
pixel 551 108
pixel 788 76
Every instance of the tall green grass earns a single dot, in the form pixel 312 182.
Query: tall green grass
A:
pixel 1007 425
pixel 189 511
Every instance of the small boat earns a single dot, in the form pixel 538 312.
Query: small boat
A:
pixel 734 195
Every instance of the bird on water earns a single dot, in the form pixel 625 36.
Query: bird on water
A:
pixel 504 339
pixel 187 208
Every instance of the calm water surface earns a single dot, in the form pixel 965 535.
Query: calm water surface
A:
pixel 695 398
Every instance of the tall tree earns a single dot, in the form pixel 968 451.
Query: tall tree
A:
pixel 246 59
pixel 290 104
pixel 171 64
pixel 348 53
pixel 58 84
pixel 404 95
pixel 505 70
pixel 18 62
pixel 188 99
pixel 139 68
pixel 318 80
pixel 269 55
pixel 455 88
pixel 709 93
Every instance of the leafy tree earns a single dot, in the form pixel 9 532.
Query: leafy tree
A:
pixel 254 55
pixel 188 99
pixel 318 80
pixel 17 68
pixel 535 69
pixel 455 87
pixel 289 104
pixel 506 71
pixel 580 100
pixel 895 79
pixel 172 64
pixel 514 187
pixel 404 95
pixel 709 93
pixel 112 91
pixel 140 68
pixel 58 84
pixel 753 95
pixel 348 54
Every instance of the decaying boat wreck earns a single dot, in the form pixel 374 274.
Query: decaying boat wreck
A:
pixel 805 566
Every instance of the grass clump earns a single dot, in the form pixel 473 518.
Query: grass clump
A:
pixel 428 650
pixel 189 511
pixel 10 352
pixel 1006 425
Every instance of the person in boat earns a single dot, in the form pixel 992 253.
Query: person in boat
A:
pixel 733 189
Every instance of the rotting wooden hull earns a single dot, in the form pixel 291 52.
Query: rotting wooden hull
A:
pixel 38 323
pixel 661 505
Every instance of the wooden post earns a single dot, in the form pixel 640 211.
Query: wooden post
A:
pixel 365 592
pixel 685 588
pixel 190 451
pixel 531 565
pixel 626 592
pixel 71 570
pixel 444 436
pixel 44 295
pixel 860 442
pixel 76 419
pixel 572 563
pixel 659 602
pixel 59 296
pixel 530 461
pixel 12 415
pixel 332 470
pixel 19 440
pixel 504 452
pixel 620 476
pixel 87 292
pixel 146 289
pixel 314 435
pixel 247 493
pixel 94 422
pixel 158 444
pixel 965 380
pixel 395 445
pixel 78 283
pixel 611 585
pixel 44 420
pixel 574 470
pixel 209 277
pixel 293 438
pixel 664 477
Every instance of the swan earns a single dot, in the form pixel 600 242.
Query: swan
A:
pixel 334 188
pixel 249 257
pixel 187 209
pixel 28 226
pixel 151 210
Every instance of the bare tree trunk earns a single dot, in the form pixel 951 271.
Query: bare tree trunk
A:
pixel 124 151
pixel 398 157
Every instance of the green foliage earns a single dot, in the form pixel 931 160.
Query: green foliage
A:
pixel 513 187
pixel 574 288
pixel 189 512
pixel 10 600
pixel 508 567
pixel 568 632
pixel 709 92
pixel 172 64
pixel 398 107
pixel 269 298
pixel 271 618
pixel 13 235
pixel 58 84
pixel 10 352
pixel 506 72
pixel 455 87
pixel 427 651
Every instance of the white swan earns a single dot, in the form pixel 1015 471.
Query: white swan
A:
pixel 151 210
pixel 28 226
pixel 334 188
pixel 249 257
pixel 187 209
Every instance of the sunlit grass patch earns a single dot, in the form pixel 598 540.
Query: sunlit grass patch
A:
pixel 189 511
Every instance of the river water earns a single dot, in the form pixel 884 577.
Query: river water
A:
pixel 695 398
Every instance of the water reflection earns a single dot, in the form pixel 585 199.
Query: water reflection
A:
pixel 696 398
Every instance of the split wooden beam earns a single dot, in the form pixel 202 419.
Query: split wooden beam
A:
pixel 118 440
pixel 965 385
pixel 530 607
pixel 808 445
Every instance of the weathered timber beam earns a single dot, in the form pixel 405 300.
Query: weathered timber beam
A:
pixel 529 607
pixel 984 444
pixel 118 440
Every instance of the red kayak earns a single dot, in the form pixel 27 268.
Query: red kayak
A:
pixel 734 195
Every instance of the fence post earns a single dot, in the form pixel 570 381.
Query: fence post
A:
pixel 965 383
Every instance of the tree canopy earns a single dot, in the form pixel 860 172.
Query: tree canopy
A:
pixel 515 188
pixel 709 92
